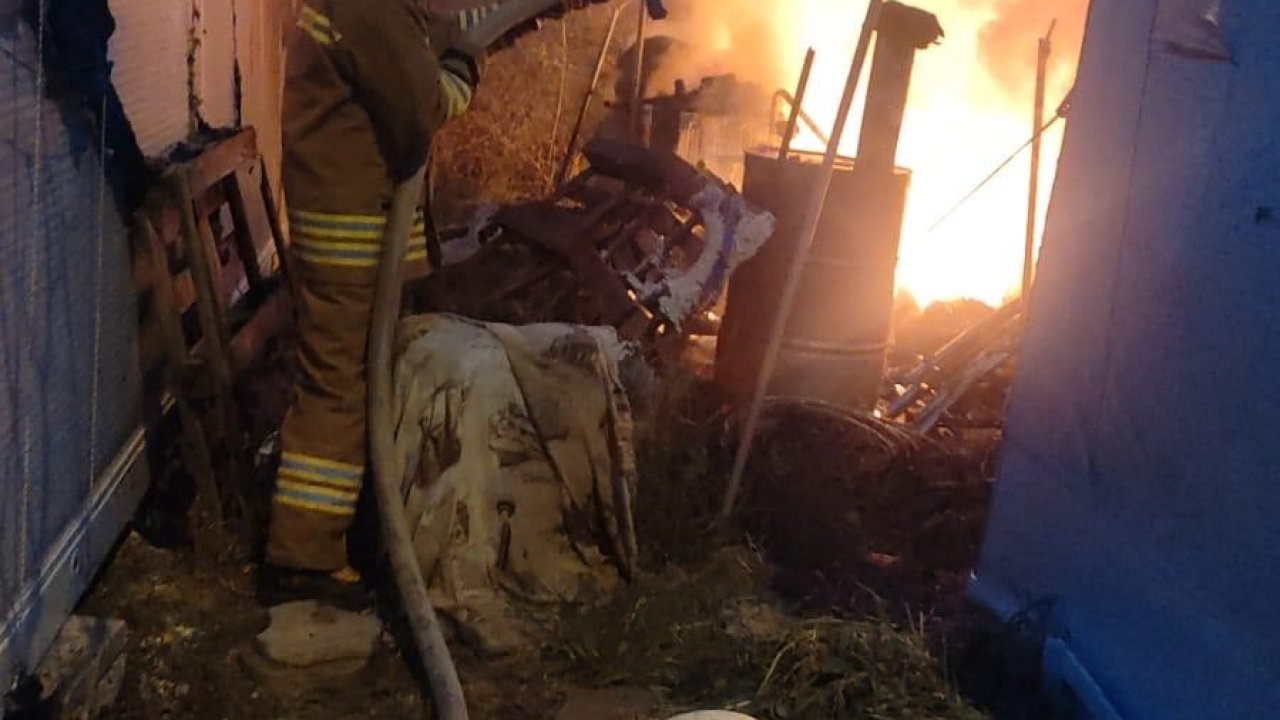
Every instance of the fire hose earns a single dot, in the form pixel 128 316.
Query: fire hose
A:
pixel 441 673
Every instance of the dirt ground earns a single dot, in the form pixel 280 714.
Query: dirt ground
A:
pixel 189 625
pixel 855 544
pixel 871 530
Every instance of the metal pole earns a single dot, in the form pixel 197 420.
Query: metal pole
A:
pixel 637 87
pixel 1042 69
pixel 806 118
pixel 801 88
pixel 571 150
pixel 818 202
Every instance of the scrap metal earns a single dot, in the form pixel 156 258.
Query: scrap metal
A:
pixel 934 386
pixel 642 241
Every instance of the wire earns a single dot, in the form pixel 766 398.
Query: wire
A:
pixel 94 393
pixel 992 176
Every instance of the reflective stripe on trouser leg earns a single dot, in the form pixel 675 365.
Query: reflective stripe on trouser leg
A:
pixel 348 241
pixel 323 440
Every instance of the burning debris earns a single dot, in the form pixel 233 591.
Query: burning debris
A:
pixel 971 97
pixel 925 393
pixel 641 241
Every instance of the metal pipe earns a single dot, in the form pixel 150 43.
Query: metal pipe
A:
pixel 902 32
pixel 818 202
pixel 802 87
pixel 571 150
pixel 1042 70
pixel 805 117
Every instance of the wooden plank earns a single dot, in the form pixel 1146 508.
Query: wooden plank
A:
pixel 221 423
pixel 207 530
pixel 255 240
pixel 210 200
pixel 212 316
pixel 271 318
pixel 220 160
pixel 184 292
pixel 209 234
pixel 277 233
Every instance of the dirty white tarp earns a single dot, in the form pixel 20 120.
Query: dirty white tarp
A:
pixel 519 468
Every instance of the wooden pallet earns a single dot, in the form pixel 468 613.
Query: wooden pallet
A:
pixel 210 275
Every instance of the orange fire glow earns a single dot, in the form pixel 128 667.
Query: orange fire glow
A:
pixel 970 106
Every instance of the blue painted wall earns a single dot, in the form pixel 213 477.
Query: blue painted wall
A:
pixel 1139 492
pixel 68 367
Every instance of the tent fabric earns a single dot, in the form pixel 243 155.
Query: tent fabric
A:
pixel 519 470
pixel 68 333
pixel 1140 482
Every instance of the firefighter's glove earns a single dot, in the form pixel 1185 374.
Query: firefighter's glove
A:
pixel 460 69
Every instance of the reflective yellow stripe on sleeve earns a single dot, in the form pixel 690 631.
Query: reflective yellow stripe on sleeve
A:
pixel 317 26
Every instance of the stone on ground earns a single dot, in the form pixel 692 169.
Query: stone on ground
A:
pixel 307 634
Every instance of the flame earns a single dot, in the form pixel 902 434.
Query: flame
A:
pixel 971 105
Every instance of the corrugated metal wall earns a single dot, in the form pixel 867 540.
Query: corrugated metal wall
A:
pixel 67 320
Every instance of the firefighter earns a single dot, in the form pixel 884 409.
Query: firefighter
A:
pixel 367 85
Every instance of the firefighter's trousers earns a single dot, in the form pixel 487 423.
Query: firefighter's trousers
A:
pixel 334 262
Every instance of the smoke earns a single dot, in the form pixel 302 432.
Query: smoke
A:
pixel 744 36
pixel 1007 44
pixel 713 38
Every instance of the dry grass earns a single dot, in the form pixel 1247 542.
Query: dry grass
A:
pixel 704 630
pixel 678 435
pixel 508 146
pixel 709 638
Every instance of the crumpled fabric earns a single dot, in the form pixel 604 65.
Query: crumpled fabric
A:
pixel 735 232
pixel 519 469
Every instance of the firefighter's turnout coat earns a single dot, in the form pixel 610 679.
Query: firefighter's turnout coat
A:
pixel 365 91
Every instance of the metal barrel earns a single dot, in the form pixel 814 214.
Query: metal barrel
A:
pixel 838 331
